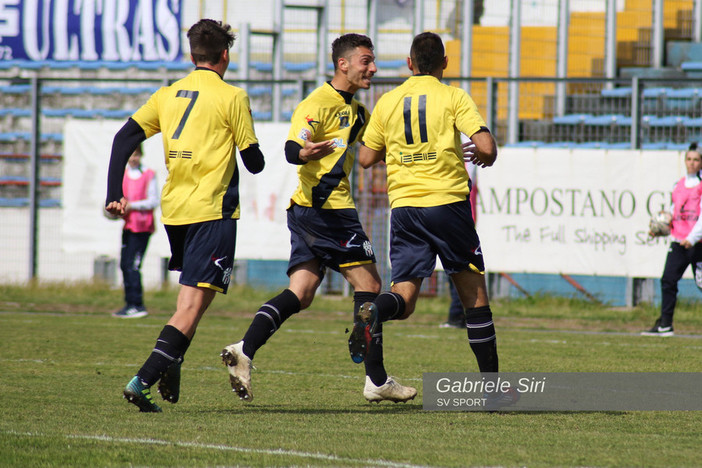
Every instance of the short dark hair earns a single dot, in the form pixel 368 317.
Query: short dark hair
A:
pixel 208 38
pixel 342 45
pixel 427 52
pixel 693 147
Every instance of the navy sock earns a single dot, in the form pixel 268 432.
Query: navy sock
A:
pixel 268 319
pixel 482 338
pixel 374 357
pixel 170 347
pixel 390 306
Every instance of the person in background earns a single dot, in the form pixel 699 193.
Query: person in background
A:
pixel 141 193
pixel 685 248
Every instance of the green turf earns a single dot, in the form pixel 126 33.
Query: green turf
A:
pixel 65 361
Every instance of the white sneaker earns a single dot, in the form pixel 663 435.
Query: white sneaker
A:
pixel 390 390
pixel 239 367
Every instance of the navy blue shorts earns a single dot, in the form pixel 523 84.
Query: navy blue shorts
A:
pixel 418 235
pixel 203 253
pixel 335 237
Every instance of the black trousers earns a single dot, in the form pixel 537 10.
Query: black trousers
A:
pixel 677 261
pixel 133 249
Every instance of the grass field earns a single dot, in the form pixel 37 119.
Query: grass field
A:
pixel 64 362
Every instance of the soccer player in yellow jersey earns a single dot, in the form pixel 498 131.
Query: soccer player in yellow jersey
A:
pixel 202 121
pixel 324 227
pixel 416 129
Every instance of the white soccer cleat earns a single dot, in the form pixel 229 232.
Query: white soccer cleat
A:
pixel 390 390
pixel 239 367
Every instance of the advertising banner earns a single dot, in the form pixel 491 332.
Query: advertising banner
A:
pixel 575 211
pixel 87 30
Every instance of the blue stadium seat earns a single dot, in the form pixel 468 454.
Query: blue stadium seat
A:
pixel 15 112
pixel 384 64
pixel 256 91
pixel 116 114
pixel 9 64
pixel 20 202
pixel 691 66
pixel 262 115
pixel 682 99
pixel 263 67
pixel 571 119
pixel 559 144
pixel 299 66
pixel 15 89
pixel 665 121
pixel 602 120
pixel 526 144
pixel 616 92
pixel 183 65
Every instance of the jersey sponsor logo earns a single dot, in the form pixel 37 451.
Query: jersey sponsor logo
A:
pixel 415 157
pixel 339 142
pixel 312 123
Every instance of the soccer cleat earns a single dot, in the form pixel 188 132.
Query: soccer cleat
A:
pixel 131 312
pixel 239 367
pixel 169 385
pixel 658 330
pixel 390 391
pixel 139 394
pixel 362 333
pixel 453 324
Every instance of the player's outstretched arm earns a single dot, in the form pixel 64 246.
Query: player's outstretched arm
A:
pixel 296 154
pixel 368 156
pixel 485 151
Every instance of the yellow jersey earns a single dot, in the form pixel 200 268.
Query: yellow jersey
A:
pixel 327 115
pixel 419 124
pixel 202 120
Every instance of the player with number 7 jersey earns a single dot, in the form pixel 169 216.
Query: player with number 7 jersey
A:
pixel 202 121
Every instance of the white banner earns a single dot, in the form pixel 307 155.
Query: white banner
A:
pixel 575 212
pixel 262 230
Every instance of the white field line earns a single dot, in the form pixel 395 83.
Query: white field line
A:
pixel 230 448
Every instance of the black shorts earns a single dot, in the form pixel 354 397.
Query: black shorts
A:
pixel 418 235
pixel 336 237
pixel 203 253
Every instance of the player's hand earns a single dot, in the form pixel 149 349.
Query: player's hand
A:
pixel 316 151
pixel 686 244
pixel 469 154
pixel 117 208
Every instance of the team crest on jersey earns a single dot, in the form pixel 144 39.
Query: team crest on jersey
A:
pixel 343 119
pixel 368 248
pixel 312 123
